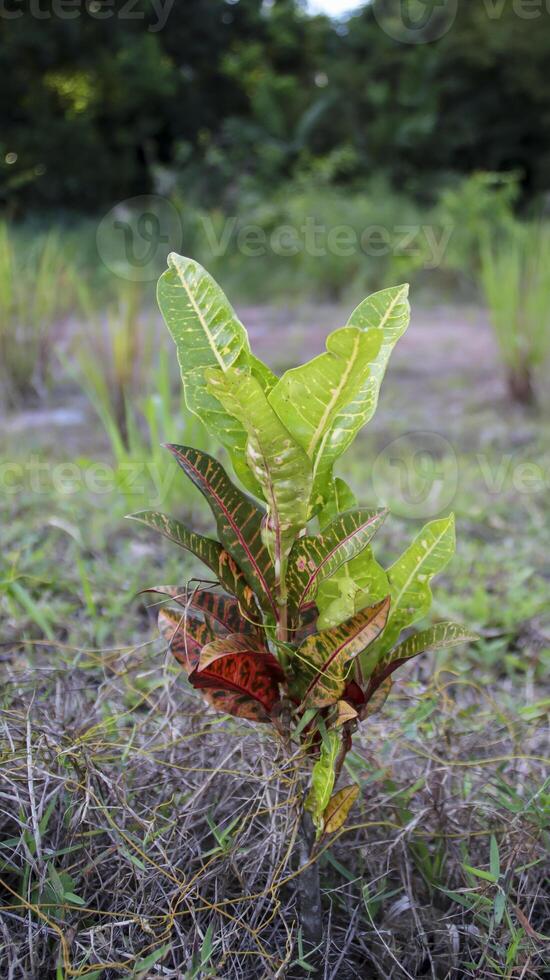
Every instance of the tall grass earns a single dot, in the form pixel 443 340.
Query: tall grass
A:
pixel 34 294
pixel 515 277
pixel 127 378
pixel 115 349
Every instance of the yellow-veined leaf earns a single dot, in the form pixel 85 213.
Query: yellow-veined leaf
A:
pixel 278 462
pixel 239 521
pixel 409 578
pixel 308 398
pixel 338 808
pixel 316 558
pixel 208 333
pixel 322 778
pixel 320 663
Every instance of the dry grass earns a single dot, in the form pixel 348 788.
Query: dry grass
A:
pixel 174 829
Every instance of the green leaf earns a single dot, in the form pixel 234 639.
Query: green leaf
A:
pixel 499 907
pixel 409 578
pixel 207 333
pixel 278 463
pixel 387 311
pixel 322 779
pixel 484 875
pixel 494 858
pixel 239 521
pixel 309 398
pixel 208 550
pixel 437 637
pixel 340 499
pixel 314 559
pixel 357 584
pixel 321 660
pixel 145 964
pixel 73 899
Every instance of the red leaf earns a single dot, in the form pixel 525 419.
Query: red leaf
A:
pixel 185 635
pixel 220 610
pixel 353 694
pixel 239 665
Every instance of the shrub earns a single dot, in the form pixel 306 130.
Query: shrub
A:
pixel 304 628
pixel 34 292
pixel 515 277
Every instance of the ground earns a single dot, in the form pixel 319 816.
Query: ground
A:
pixel 142 835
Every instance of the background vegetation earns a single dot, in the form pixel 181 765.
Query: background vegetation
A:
pixel 234 95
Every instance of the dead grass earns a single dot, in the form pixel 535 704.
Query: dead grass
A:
pixel 138 828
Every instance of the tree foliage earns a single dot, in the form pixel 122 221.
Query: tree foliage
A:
pixel 225 92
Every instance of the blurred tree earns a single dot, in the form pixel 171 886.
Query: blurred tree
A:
pixel 233 93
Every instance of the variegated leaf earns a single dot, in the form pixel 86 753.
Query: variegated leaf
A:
pixel 279 464
pixel 375 698
pixel 321 660
pixel 207 333
pixel 208 550
pixel 303 624
pixel 185 636
pixel 387 311
pixel 236 643
pixel 240 665
pixel 438 637
pixel 309 398
pixel 338 808
pixel 314 559
pixel 409 579
pixel 222 612
pixel 239 521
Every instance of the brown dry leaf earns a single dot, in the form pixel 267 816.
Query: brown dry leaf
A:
pixel 345 713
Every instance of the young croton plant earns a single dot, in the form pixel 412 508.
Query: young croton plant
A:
pixel 303 628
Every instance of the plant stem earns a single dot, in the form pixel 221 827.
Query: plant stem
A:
pixel 282 623
pixel 309 887
pixel 520 384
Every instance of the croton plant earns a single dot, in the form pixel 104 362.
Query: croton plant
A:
pixel 303 628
